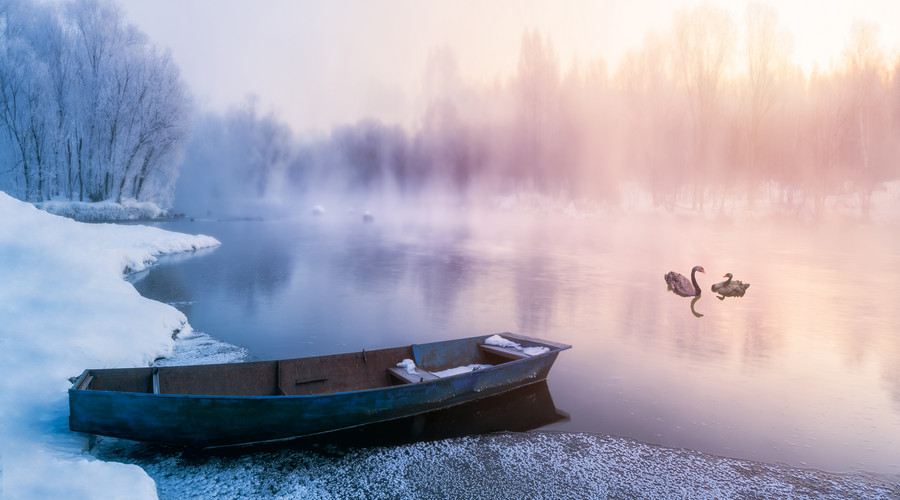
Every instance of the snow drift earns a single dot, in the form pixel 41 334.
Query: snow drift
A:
pixel 65 307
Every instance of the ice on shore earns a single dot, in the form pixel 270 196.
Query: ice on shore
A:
pixel 506 465
pixel 65 307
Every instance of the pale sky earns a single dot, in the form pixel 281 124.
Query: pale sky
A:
pixel 318 64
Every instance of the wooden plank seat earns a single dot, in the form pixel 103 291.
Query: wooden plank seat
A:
pixel 411 378
pixel 503 352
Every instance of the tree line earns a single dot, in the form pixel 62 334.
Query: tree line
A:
pixel 693 116
pixel 90 110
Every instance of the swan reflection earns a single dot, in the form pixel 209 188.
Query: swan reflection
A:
pixel 695 313
pixel 678 284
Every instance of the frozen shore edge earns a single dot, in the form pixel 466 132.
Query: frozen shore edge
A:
pixel 47 264
pixel 513 465
pixel 66 307
pixel 536 464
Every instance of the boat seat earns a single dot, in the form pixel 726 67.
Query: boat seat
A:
pixel 409 378
pixel 503 352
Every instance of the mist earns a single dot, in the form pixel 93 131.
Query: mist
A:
pixel 695 119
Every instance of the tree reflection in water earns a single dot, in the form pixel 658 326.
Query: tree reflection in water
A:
pixel 781 377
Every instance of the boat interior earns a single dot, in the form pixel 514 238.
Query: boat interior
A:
pixel 301 376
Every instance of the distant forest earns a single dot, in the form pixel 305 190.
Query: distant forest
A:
pixel 693 116
pixel 89 109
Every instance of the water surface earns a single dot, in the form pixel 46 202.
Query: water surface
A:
pixel 803 370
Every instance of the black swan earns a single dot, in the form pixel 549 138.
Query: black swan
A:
pixel 683 286
pixel 730 288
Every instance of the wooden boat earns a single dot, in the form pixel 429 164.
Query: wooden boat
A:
pixel 519 410
pixel 239 403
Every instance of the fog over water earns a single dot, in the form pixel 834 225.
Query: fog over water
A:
pixel 801 370
pixel 551 202
pixel 710 114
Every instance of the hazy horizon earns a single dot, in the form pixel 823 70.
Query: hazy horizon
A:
pixel 322 65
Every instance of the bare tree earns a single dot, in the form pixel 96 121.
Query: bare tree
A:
pixel 20 96
pixel 768 47
pixel 656 140
pixel 865 70
pixel 824 132
pixel 703 43
pixel 86 104
pixel 537 84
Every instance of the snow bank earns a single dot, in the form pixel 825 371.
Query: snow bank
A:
pixel 103 211
pixel 65 307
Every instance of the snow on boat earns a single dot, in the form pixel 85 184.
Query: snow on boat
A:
pixel 239 403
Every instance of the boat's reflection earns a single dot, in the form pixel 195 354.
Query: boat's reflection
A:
pixel 523 409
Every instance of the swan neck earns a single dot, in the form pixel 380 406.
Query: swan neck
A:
pixel 694 281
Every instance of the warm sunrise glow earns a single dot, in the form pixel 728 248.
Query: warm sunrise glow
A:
pixel 331 63
pixel 282 179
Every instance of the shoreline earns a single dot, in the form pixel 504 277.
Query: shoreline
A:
pixel 580 464
pixel 534 464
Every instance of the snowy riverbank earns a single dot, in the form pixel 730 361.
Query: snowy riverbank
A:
pixel 65 306
pixel 104 211
pixel 508 465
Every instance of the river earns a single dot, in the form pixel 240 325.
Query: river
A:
pixel 803 370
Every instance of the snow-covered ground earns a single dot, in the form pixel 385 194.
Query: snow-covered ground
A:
pixel 64 307
pixel 509 465
pixel 103 211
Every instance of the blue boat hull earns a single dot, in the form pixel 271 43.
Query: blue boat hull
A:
pixel 218 420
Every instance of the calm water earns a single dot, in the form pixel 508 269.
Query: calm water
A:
pixel 803 370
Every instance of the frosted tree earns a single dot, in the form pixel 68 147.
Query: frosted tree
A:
pixel 824 133
pixel 656 139
pixel 703 43
pixel 537 86
pixel 22 102
pixel 89 110
pixel 447 146
pixel 864 67
pixel 767 49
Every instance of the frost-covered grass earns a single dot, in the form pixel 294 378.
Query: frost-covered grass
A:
pixel 497 466
pixel 128 209
pixel 65 307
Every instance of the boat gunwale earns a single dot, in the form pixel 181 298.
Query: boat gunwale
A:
pixel 555 348
pixel 279 413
